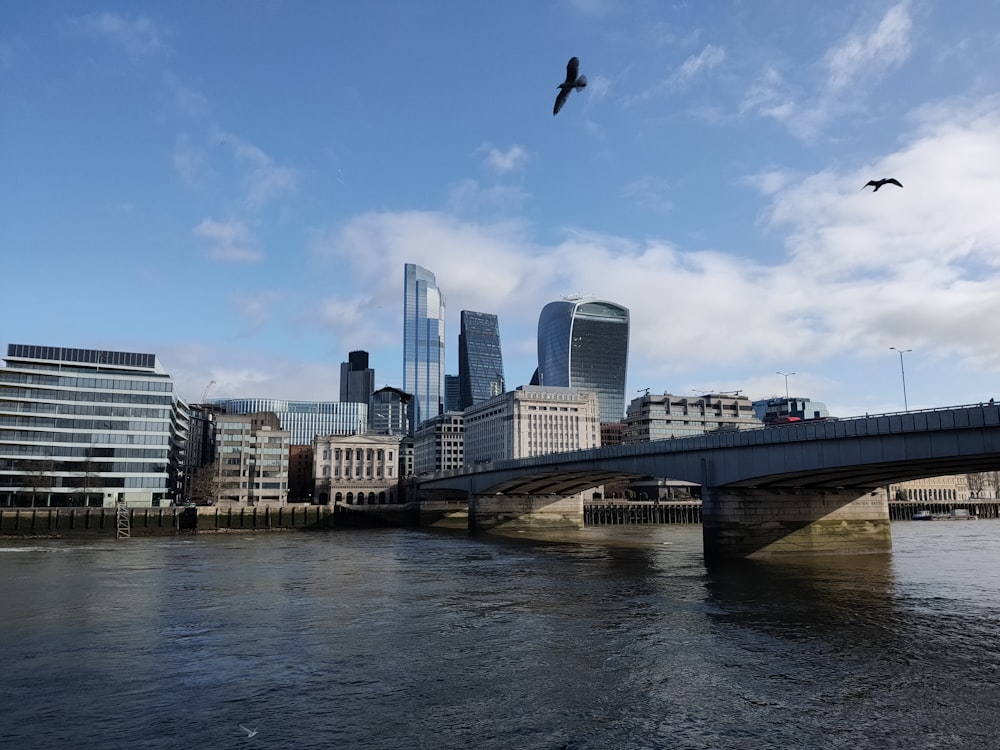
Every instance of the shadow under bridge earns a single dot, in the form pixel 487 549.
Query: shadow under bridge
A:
pixel 798 488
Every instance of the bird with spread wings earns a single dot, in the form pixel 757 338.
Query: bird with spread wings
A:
pixel 573 81
pixel 879 183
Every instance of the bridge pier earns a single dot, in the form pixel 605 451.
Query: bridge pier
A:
pixel 739 522
pixel 525 512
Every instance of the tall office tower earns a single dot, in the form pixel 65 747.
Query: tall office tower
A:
pixel 480 362
pixel 451 393
pixel 88 427
pixel 357 380
pixel 583 343
pixel 423 343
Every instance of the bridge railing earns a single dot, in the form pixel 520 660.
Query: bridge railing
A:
pixel 937 418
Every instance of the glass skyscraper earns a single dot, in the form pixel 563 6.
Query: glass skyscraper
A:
pixel 583 343
pixel 480 362
pixel 423 343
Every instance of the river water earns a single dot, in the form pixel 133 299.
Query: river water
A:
pixel 611 638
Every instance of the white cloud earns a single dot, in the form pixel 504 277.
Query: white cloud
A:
pixel 468 197
pixel 229 241
pixel 139 36
pixel 501 162
pixel 862 56
pixel 709 58
pixel 917 267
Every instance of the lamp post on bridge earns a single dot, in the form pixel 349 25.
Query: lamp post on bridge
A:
pixel 787 375
pixel 902 372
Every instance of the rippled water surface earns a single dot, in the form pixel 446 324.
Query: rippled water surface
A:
pixel 611 638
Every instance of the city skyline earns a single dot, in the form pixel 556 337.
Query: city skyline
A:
pixel 237 197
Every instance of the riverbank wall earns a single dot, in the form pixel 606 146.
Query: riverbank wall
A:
pixel 83 522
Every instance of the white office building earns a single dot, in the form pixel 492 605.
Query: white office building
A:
pixel 532 421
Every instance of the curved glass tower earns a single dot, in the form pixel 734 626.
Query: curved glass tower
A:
pixel 583 343
pixel 423 343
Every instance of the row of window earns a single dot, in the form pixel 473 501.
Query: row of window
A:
pixel 82 409
pixel 357 454
pixel 93 483
pixel 116 384
pixel 106 438
pixel 48 466
pixel 367 472
pixel 60 451
pixel 48 394
pixel 131 425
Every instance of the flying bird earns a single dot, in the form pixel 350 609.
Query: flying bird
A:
pixel 250 732
pixel 573 81
pixel 879 183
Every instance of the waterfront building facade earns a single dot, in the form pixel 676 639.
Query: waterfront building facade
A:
pixel 583 343
pixel 480 359
pixel 88 427
pixel 252 465
pixel 305 419
pixel 423 343
pixel 439 444
pixel 953 488
pixel 771 410
pixel 390 412
pixel 301 485
pixel 357 379
pixel 531 421
pixel 659 416
pixel 356 469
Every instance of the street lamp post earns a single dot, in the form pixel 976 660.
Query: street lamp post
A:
pixel 902 372
pixel 787 375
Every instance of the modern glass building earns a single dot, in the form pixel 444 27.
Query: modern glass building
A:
pixel 304 420
pixel 583 343
pixel 423 343
pixel 480 361
pixel 357 379
pixel 84 427
pixel 389 412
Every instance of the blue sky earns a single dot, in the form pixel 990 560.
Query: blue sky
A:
pixel 235 186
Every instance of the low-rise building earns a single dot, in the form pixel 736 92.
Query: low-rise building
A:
pixel 439 443
pixel 356 469
pixel 252 463
pixel 661 416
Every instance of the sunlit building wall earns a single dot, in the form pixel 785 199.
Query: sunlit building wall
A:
pixel 88 427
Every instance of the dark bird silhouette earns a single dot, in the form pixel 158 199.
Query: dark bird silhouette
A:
pixel 573 81
pixel 879 183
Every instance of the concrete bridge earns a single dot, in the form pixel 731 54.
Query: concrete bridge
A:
pixel 801 488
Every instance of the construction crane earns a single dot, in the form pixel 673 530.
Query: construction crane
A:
pixel 208 389
pixel 643 390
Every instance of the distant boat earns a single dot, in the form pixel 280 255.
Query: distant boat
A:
pixel 958 514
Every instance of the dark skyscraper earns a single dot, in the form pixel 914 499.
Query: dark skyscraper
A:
pixel 480 361
pixel 583 343
pixel 357 380
pixel 451 392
